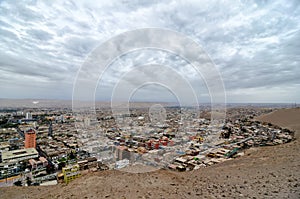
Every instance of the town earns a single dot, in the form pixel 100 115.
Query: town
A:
pixel 49 146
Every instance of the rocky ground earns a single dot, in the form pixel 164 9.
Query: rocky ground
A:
pixel 264 172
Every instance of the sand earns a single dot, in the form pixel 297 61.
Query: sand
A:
pixel 265 172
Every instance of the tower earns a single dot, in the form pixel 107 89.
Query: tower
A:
pixel 50 130
pixel 30 139
pixel 28 116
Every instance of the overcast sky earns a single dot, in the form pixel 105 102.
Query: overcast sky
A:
pixel 255 45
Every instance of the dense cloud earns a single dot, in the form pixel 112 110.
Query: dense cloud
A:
pixel 254 44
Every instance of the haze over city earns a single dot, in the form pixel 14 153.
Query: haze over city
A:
pixel 253 44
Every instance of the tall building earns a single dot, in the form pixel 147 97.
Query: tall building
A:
pixel 30 139
pixel 28 116
pixel 87 122
pixel 50 130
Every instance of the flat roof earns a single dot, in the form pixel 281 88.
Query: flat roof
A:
pixel 18 153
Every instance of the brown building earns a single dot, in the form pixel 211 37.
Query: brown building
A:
pixel 30 139
pixel 40 163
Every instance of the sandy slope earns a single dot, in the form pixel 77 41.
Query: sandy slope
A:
pixel 266 172
pixel 289 118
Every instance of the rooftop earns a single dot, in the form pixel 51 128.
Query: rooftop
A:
pixel 18 153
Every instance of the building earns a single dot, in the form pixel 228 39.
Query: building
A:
pixel 38 164
pixel 88 163
pixel 19 155
pixel 121 152
pixel 4 146
pixel 11 161
pixel 50 130
pixel 30 139
pixel 87 122
pixel 71 172
pixel 28 116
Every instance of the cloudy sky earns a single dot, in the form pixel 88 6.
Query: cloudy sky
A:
pixel 255 46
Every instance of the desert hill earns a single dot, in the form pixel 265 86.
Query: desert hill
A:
pixel 265 172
